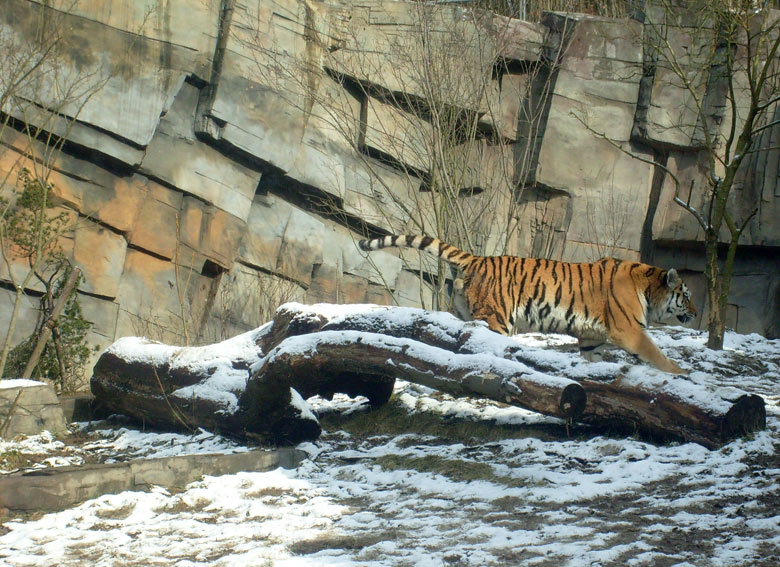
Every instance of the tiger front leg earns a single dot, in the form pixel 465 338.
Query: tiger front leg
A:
pixel 639 343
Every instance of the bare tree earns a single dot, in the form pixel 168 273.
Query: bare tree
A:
pixel 720 59
pixel 41 98
pixel 445 107
pixel 737 43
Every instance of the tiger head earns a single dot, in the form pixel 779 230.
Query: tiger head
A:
pixel 673 300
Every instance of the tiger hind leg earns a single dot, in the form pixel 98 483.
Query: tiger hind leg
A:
pixel 459 301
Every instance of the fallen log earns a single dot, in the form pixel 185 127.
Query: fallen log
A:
pixel 222 388
pixel 187 388
pixel 659 405
pixel 252 385
pixel 350 356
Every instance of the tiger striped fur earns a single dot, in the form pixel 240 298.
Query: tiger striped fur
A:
pixel 608 300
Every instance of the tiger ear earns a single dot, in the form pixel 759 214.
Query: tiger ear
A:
pixel 672 279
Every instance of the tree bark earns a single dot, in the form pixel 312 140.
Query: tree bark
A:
pixel 716 325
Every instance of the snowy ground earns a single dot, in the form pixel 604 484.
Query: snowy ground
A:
pixel 432 481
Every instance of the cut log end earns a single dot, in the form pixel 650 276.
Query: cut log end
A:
pixel 573 400
pixel 748 414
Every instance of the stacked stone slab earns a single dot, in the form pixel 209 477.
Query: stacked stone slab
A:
pixel 229 154
pixel 594 96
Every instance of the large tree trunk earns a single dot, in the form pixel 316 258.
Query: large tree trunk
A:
pixel 363 349
pixel 716 324
pixel 659 405
pixel 175 387
pixel 375 357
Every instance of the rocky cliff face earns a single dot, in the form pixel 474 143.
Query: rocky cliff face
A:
pixel 227 155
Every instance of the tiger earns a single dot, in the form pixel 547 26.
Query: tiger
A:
pixel 608 300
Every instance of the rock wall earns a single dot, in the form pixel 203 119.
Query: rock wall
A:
pixel 227 155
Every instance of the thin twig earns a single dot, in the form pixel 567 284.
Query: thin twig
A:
pixel 7 420
pixel 174 412
pixel 688 207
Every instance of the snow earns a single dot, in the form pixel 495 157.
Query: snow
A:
pixel 538 497
pixel 219 360
pixel 9 383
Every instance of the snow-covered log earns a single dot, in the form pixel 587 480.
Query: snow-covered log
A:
pixel 659 405
pixel 187 388
pixel 360 357
pixel 234 388
pixel 255 384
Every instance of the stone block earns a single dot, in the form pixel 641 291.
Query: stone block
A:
pixel 516 39
pixel 543 219
pixel 476 167
pixel 595 94
pixel 195 25
pixel 352 289
pixel 177 157
pixel 331 131
pixel 102 67
pixel 97 192
pixel 751 291
pixel 103 316
pixel 247 298
pixel 302 247
pixel 418 50
pixel 606 38
pixel 670 112
pixel 325 284
pixel 36 409
pixel 610 189
pixel 18 260
pixel 750 320
pixel 263 96
pixel 100 253
pixel 191 221
pixel 672 222
pixel 379 294
pixel 505 103
pixel 262 240
pixel 410 291
pixel 403 136
pixel 155 227
pixel 220 236
pixel 380 195
pixel 78 133
pixel 155 299
pixel 26 318
pixel 255 119
pixel 599 76
pixel 119 203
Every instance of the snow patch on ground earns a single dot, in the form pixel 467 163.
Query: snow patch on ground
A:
pixel 418 500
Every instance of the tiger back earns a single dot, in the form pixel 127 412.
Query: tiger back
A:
pixel 608 300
